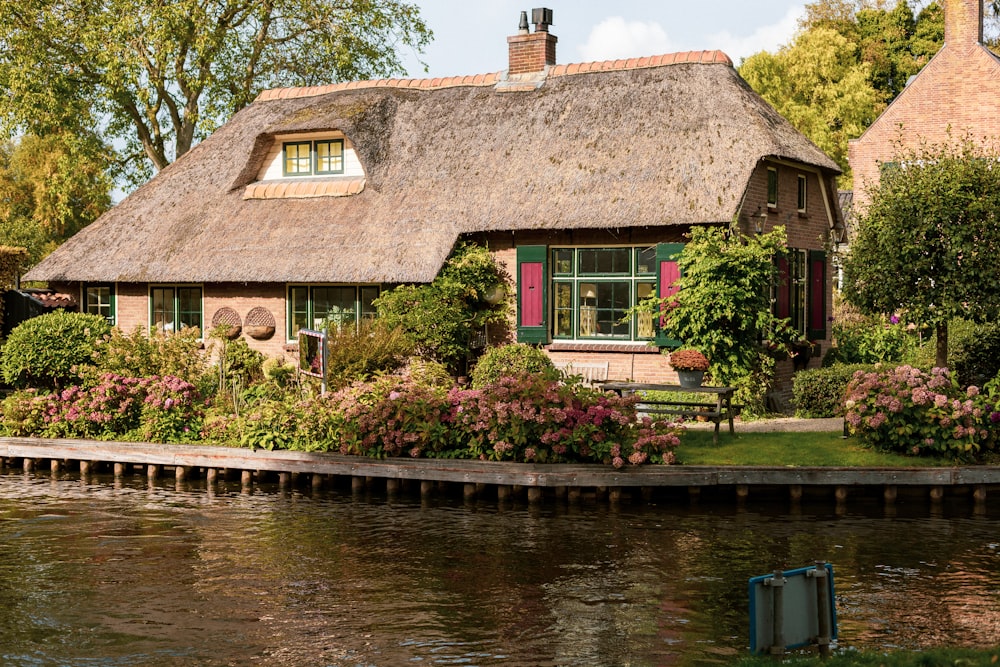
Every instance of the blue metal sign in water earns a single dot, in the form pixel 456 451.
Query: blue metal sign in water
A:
pixel 793 609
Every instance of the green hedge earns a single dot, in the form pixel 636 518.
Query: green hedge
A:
pixel 820 392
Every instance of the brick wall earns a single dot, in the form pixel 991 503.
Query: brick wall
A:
pixel 531 53
pixel 956 91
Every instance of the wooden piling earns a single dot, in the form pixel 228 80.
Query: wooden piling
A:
pixel 890 493
pixel 152 471
pixel 119 469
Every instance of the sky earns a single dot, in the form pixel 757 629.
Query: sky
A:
pixel 470 36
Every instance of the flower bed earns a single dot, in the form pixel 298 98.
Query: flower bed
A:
pixel 910 411
pixel 527 418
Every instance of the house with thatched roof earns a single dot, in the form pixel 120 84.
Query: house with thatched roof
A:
pixel 581 178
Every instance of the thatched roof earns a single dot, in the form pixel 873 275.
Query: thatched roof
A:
pixel 670 140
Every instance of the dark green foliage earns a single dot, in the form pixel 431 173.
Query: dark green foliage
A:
pixel 513 359
pixel 723 308
pixel 870 340
pixel 358 354
pixel 444 318
pixel 820 392
pixel 51 350
pixel 973 351
pixel 929 240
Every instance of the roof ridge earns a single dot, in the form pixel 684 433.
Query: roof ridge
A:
pixel 483 80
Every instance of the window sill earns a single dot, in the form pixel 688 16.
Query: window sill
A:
pixel 600 346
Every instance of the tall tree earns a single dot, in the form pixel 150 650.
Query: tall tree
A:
pixel 819 85
pixel 161 75
pixel 50 188
pixel 928 243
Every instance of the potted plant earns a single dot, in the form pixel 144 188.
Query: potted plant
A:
pixel 690 365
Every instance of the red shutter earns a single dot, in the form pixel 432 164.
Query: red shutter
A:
pixel 782 301
pixel 817 295
pixel 532 301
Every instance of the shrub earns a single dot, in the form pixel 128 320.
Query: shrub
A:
pixel 158 409
pixel 820 392
pixel 358 354
pixel 870 341
pixel 973 351
pixel 152 353
pixel 51 350
pixel 442 319
pixel 513 359
pixel 910 411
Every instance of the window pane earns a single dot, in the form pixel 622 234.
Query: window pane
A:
pixel 330 157
pixel 645 261
pixel 189 307
pixel 562 262
pixel 297 158
pixel 798 292
pixel 802 193
pixel 644 321
pixel 298 310
pixel 604 261
pixel 162 309
pixel 563 300
pixel 772 187
pixel 612 302
pixel 98 302
pixel 368 309
pixel 334 306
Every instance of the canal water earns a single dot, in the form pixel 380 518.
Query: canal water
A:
pixel 105 573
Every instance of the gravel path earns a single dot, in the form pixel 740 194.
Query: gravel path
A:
pixel 781 424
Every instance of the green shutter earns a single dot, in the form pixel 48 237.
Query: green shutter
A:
pixel 666 272
pixel 817 295
pixel 532 294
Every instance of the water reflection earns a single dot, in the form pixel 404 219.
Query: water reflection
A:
pixel 139 572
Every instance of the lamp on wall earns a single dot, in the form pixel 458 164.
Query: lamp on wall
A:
pixel 758 219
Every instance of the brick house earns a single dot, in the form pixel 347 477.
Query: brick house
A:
pixel 956 92
pixel 581 178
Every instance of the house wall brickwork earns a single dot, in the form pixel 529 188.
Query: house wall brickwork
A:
pixel 638 362
pixel 955 94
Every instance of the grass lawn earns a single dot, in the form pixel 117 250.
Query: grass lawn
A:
pixel 789 449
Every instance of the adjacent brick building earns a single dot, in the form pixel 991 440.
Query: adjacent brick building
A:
pixel 955 94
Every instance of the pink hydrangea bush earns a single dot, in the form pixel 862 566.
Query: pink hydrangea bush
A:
pixel 909 411
pixel 161 409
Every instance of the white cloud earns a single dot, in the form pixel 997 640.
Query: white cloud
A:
pixel 764 38
pixel 614 38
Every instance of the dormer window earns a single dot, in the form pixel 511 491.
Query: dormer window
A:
pixel 306 158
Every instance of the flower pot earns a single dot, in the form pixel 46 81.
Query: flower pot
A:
pixel 690 379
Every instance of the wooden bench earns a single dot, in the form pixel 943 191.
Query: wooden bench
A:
pixel 715 411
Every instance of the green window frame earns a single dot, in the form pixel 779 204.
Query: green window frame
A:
pixel 322 157
pixel 329 156
pixel 593 288
pixel 318 307
pixel 99 299
pixel 801 194
pixel 772 187
pixel 175 308
pixel 297 158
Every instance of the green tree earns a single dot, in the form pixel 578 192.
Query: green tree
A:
pixel 929 240
pixel 158 76
pixel 50 187
pixel 723 307
pixel 443 318
pixel 819 85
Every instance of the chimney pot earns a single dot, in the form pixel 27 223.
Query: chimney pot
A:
pixel 522 27
pixel 542 18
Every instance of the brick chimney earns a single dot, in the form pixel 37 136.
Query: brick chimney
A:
pixel 532 51
pixel 963 22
